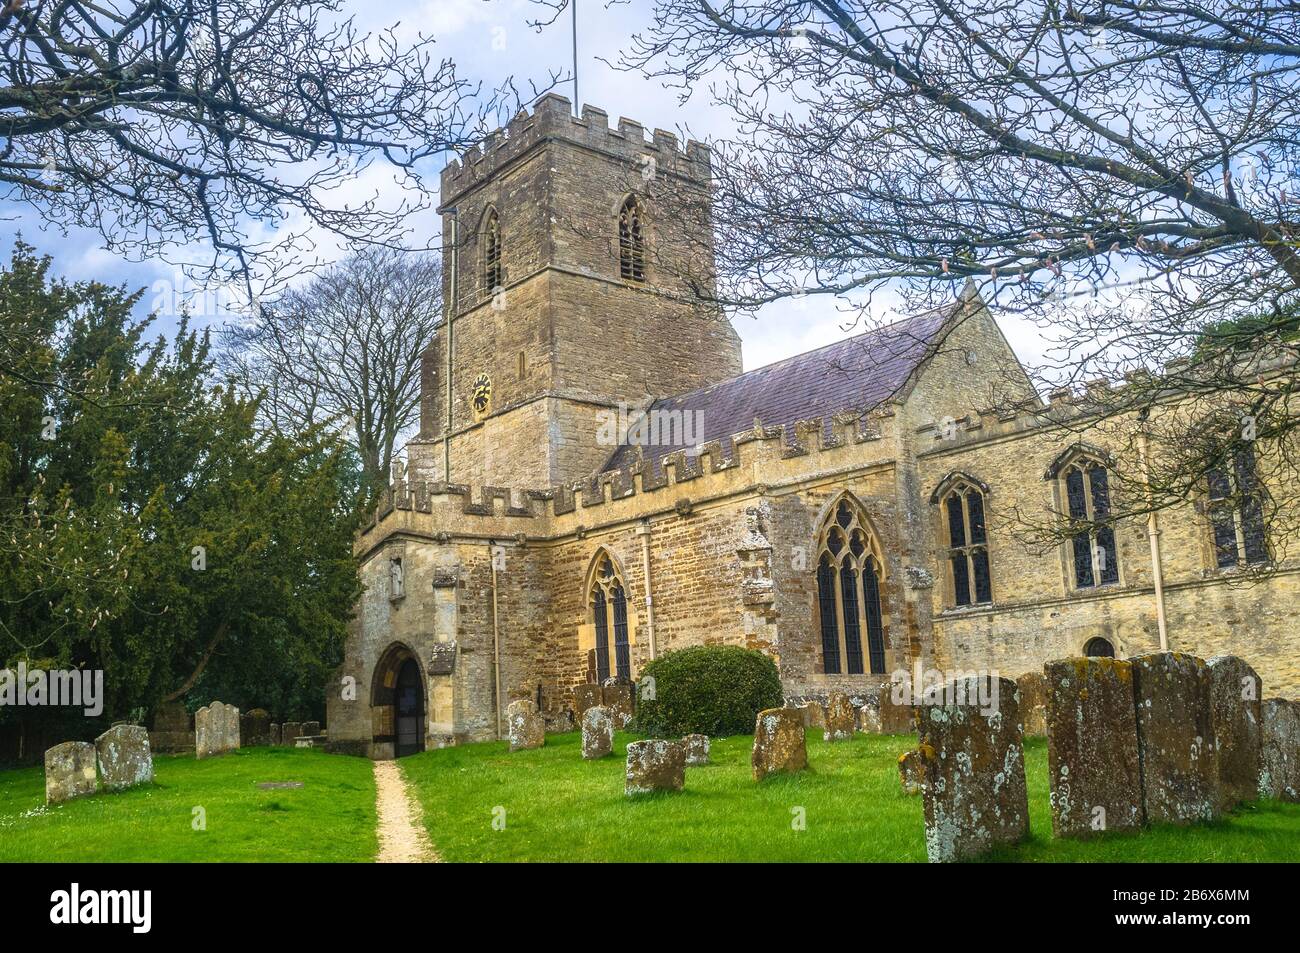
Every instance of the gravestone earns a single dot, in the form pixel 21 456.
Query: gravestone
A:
pixel 310 728
pixel 275 734
pixel 697 749
pixel 1176 742
pixel 586 696
pixel 1235 700
pixel 655 765
pixel 216 730
pixel 618 699
pixel 524 726
pixel 69 771
pixel 974 770
pixel 1092 747
pixel 896 718
pixel 1033 703
pixel 869 719
pixel 813 714
pixel 123 757
pixel 841 720
pixel 1279 763
pixel 172 732
pixel 778 743
pixel 597 732
pixel 290 731
pixel 255 728
pixel 911 771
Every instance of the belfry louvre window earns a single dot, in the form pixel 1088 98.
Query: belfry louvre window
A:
pixel 1237 513
pixel 968 550
pixel 608 603
pixel 1087 495
pixel 848 593
pixel 631 241
pixel 493 276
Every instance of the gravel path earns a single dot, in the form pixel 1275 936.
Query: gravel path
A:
pixel 402 838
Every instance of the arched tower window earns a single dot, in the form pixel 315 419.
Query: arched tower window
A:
pixel 631 241
pixel 849 572
pixel 1236 512
pixel 968 550
pixel 1085 484
pixel 1099 648
pixel 493 276
pixel 607 602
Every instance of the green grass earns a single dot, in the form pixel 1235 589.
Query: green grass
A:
pixel 558 807
pixel 330 818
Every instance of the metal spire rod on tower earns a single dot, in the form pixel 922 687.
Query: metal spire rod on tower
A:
pixel 577 109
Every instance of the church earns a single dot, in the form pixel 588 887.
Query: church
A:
pixel 597 482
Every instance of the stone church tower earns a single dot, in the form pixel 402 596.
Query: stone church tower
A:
pixel 574 290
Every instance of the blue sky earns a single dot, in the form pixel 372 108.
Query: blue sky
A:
pixel 491 40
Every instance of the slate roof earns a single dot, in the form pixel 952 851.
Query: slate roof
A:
pixel 856 374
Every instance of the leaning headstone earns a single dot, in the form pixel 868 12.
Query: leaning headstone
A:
pixel 841 720
pixel 618 699
pixel 123 757
pixel 1033 703
pixel 697 749
pixel 1176 742
pixel 655 765
pixel 524 726
pixel 814 714
pixel 911 771
pixel 216 730
pixel 1235 696
pixel 974 788
pixel 255 728
pixel 597 732
pixel 290 732
pixel 896 718
pixel 778 743
pixel 1279 763
pixel 1092 747
pixel 869 719
pixel 69 771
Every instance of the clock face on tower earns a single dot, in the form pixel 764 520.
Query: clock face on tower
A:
pixel 481 395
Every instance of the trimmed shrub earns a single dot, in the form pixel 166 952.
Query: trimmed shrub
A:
pixel 711 689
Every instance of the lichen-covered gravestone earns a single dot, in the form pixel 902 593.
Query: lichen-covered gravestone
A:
pixel 1092 747
pixel 275 735
pixel 69 771
pixel 123 756
pixel 586 696
pixel 814 714
pixel 1235 696
pixel 841 720
pixel 1279 763
pixel 974 788
pixel 911 771
pixel 1033 703
pixel 778 743
pixel 597 732
pixel 290 732
pixel 311 728
pixel 697 749
pixel 896 717
pixel 618 699
pixel 655 765
pixel 255 728
pixel 216 730
pixel 524 726
pixel 1176 742
pixel 869 719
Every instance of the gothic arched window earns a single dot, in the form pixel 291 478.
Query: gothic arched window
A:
pixel 968 550
pixel 493 276
pixel 607 600
pixel 1237 513
pixel 631 241
pixel 849 570
pixel 1085 484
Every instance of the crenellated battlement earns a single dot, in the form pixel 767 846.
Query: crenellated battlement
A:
pixel 645 476
pixel 552 117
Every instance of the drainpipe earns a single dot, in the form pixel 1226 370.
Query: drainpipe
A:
pixel 643 530
pixel 1153 537
pixel 496 641
pixel 451 320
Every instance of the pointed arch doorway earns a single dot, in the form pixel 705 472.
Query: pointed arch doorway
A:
pixel 409 710
pixel 398 705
